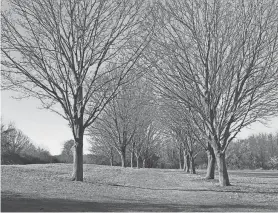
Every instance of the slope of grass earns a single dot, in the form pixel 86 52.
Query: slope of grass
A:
pixel 48 188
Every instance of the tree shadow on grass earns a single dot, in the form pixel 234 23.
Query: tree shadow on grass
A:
pixel 255 174
pixel 15 202
pixel 217 189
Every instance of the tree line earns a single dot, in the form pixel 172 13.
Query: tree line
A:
pixel 17 148
pixel 256 152
pixel 140 75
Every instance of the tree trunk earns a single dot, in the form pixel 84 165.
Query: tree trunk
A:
pixel 111 161
pixel 192 163
pixel 132 155
pixel 180 163
pixel 186 164
pixel 77 149
pixel 123 157
pixel 192 166
pixel 131 159
pixel 211 163
pixel 111 157
pixel 144 163
pixel 137 162
pixel 78 132
pixel 222 169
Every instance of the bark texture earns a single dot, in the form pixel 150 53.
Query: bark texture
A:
pixel 111 157
pixel 77 149
pixel 131 159
pixel 78 132
pixel 180 157
pixel 137 162
pixel 123 158
pixel 111 161
pixel 222 169
pixel 211 163
pixel 192 164
pixel 186 165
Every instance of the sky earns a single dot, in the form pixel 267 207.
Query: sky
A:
pixel 45 128
pixel 48 130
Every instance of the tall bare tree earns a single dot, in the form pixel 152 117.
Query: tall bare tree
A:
pixel 72 55
pixel 219 58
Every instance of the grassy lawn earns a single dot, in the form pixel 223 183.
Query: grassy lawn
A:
pixel 48 188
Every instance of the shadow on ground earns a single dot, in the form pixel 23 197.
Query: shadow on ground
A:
pixel 257 174
pixel 15 202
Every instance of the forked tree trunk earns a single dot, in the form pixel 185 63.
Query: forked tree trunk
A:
pixel 77 149
pixel 222 169
pixel 211 163
pixel 186 165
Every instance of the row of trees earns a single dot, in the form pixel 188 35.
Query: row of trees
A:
pixel 210 67
pixel 128 123
pixel 17 148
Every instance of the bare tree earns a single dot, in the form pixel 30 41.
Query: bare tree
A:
pixel 122 117
pixel 13 140
pixel 150 144
pixel 219 58
pixel 67 154
pixel 101 144
pixel 177 119
pixel 72 55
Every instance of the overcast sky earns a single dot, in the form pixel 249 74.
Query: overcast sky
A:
pixel 50 131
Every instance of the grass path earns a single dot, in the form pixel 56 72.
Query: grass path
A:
pixel 48 188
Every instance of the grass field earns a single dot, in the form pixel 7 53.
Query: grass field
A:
pixel 48 188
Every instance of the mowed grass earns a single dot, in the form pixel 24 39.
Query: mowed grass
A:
pixel 48 188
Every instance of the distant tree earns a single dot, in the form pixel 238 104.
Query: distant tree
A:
pixel 188 139
pixel 13 141
pixel 100 145
pixel 67 154
pixel 145 142
pixel 122 117
pixel 72 55
pixel 17 148
pixel 256 151
pixel 150 146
